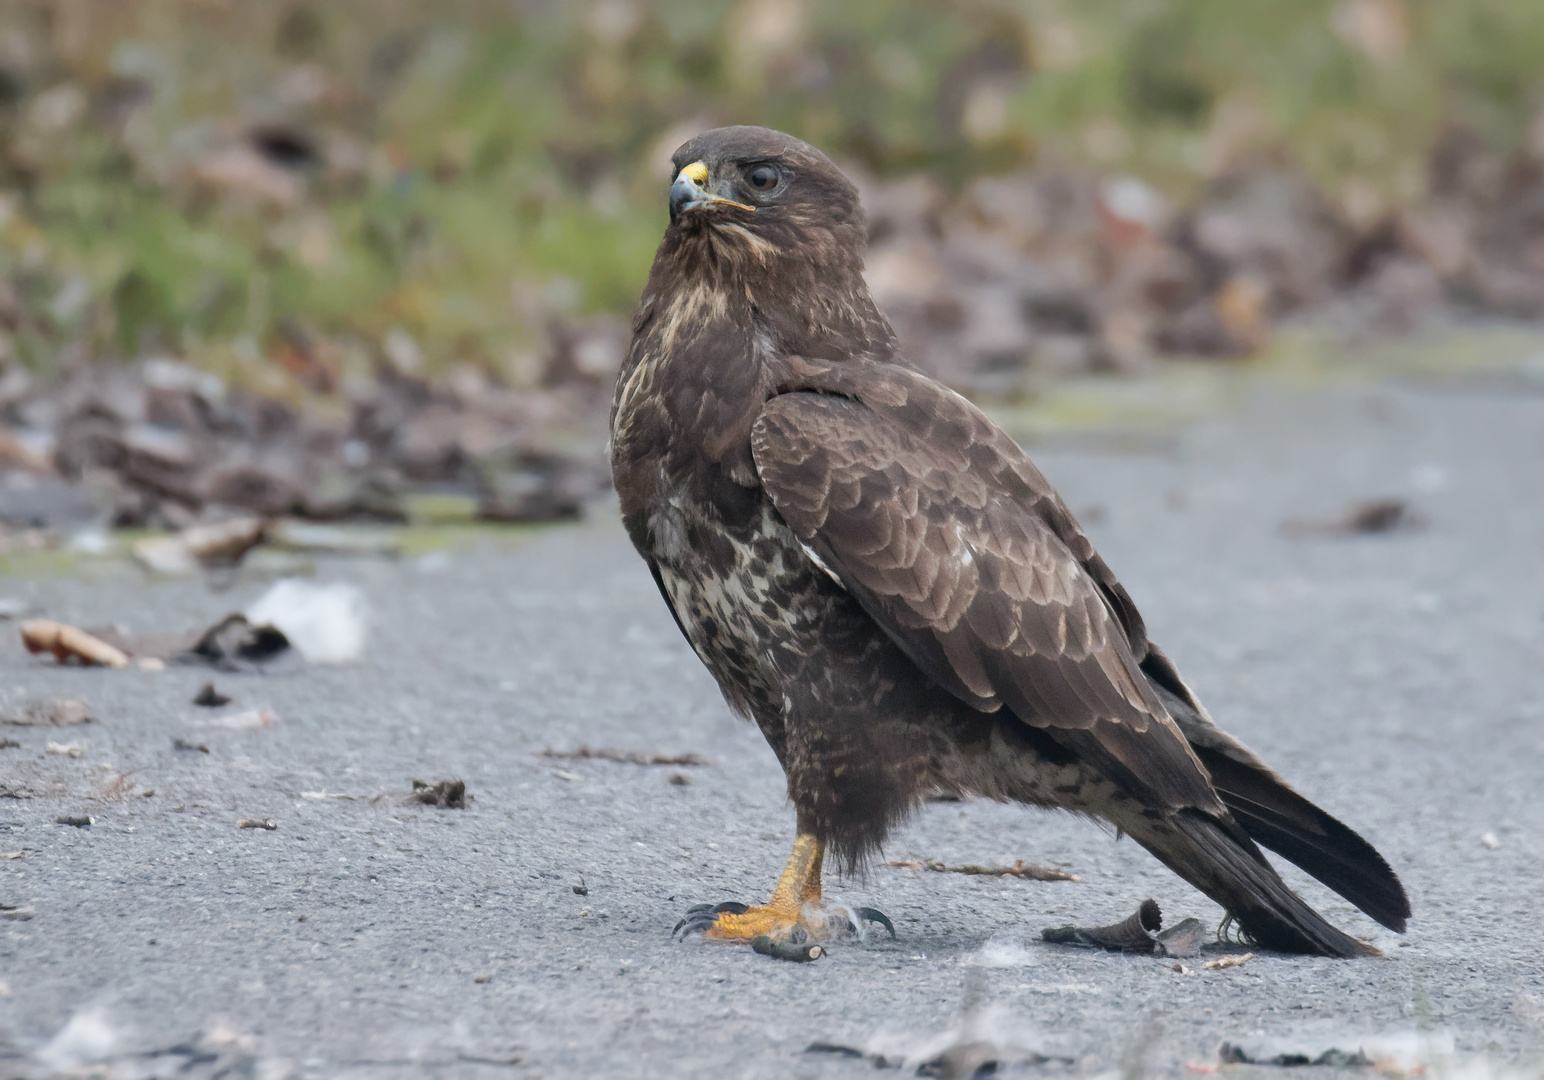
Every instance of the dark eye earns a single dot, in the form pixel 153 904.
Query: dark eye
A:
pixel 762 177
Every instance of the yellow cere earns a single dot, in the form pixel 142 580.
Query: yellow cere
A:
pixel 696 172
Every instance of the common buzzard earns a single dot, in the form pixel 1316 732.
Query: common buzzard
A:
pixel 885 583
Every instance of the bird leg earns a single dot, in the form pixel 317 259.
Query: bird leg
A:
pixel 793 912
pixel 798 887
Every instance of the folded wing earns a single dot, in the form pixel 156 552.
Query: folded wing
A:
pixel 951 540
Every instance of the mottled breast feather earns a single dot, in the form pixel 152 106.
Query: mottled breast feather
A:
pixel 957 546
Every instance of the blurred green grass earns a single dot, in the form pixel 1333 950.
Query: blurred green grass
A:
pixel 470 171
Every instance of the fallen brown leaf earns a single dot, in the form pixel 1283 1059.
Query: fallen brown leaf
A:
pixel 65 642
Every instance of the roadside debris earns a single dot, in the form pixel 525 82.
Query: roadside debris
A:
pixel 1364 518
pixel 1232 1054
pixel 79 821
pixel 11 854
pixel 210 698
pixel 1140 932
pixel 1019 869
pixel 183 744
pixel 1132 934
pixel 1491 840
pixel 66 712
pixel 680 779
pixel 69 642
pixel 236 643
pixel 246 720
pixel 198 547
pixel 1390 1053
pixel 626 757
pixel 15 912
pixel 9 744
pixel 1229 961
pixel 93 1043
pixel 1181 939
pixel 784 950
pixel 985 1040
pixel 257 823
pixel 325 623
pixel 446 794
pixel 67 749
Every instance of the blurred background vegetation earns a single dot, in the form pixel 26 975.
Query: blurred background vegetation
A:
pixel 281 191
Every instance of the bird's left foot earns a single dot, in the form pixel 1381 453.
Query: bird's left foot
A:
pixel 794 915
pixel 733 921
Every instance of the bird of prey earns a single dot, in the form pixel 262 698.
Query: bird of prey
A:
pixel 882 580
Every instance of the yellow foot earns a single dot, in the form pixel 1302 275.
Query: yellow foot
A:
pixel 736 922
pixel 798 925
pixel 794 914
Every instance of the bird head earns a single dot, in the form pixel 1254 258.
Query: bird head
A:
pixel 759 193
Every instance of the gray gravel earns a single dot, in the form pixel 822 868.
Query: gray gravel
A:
pixel 1394 678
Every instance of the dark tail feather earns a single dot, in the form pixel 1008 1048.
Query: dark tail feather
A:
pixel 1228 867
pixel 1281 819
pixel 1273 814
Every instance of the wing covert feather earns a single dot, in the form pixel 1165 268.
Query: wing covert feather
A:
pixel 960 550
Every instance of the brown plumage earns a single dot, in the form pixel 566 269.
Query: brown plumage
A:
pixel 886 584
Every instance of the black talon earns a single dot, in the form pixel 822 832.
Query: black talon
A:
pixel 701 916
pixel 874 915
pixel 691 912
pixel 694 925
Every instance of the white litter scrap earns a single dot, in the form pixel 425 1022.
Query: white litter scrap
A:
pixel 86 1039
pixel 326 623
pixel 246 720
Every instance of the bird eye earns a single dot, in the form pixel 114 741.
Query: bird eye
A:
pixel 762 177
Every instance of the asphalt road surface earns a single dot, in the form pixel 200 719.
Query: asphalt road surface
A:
pixel 1397 679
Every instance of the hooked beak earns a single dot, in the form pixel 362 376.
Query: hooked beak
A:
pixel 690 192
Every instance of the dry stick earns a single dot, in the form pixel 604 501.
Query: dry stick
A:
pixel 1019 869
pixel 626 757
